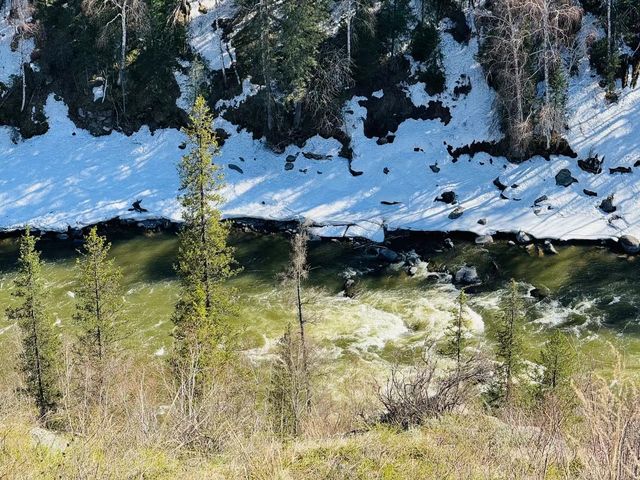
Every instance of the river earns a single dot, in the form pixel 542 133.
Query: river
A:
pixel 592 293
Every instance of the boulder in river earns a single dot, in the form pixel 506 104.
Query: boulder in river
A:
pixel 548 248
pixel 484 240
pixel 564 178
pixel 467 275
pixel 629 244
pixel 388 255
pixel 540 293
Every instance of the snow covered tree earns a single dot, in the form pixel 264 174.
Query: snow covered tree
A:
pixel 40 355
pixel 98 310
pixel 205 261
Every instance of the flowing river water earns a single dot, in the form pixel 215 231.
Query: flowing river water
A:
pixel 593 293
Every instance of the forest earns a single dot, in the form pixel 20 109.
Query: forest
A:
pixel 87 390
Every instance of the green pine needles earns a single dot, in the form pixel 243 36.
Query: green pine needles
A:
pixel 39 360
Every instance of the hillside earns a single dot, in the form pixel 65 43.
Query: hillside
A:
pixel 373 176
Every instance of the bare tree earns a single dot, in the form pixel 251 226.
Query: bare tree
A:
pixel 20 15
pixel 132 15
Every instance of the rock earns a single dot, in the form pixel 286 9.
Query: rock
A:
pixel 447 197
pixel 467 275
pixel 412 271
pixel 482 221
pixel 540 292
pixel 315 156
pixel 434 168
pixel 500 186
pixel 484 240
pixel 590 193
pixel 448 243
pixel 549 249
pixel 382 141
pixel 591 165
pixel 386 202
pixel 288 166
pixel 607 205
pixel 388 255
pixel 385 170
pixel 629 244
pixel 620 170
pixel 522 238
pixel 511 243
pixel 291 158
pixel 540 199
pixel 637 164
pixel 457 213
pixel 235 167
pixel 564 178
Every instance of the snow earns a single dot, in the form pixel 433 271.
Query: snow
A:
pixel 98 93
pixel 204 39
pixel 10 60
pixel 61 179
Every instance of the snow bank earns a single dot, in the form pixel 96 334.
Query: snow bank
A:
pixel 61 178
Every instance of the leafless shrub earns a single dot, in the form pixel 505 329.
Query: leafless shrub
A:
pixel 425 390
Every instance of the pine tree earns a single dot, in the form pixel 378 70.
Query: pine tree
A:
pixel 509 338
pixel 205 261
pixel 458 334
pixel 301 31
pixel 98 306
pixel 557 359
pixel 40 355
pixel 393 24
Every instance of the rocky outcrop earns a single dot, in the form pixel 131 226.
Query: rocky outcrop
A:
pixel 564 178
pixel 629 244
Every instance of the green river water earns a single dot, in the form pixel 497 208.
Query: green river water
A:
pixel 594 295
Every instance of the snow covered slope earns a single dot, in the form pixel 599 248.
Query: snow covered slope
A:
pixel 67 177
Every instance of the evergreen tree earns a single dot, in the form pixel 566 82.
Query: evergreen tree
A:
pixel 394 24
pixel 205 261
pixel 98 305
pixel 40 345
pixel 458 334
pixel 557 359
pixel 301 31
pixel 509 338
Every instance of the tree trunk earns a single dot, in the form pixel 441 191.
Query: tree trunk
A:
pixel 123 56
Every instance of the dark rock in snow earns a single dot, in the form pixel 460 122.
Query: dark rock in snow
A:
pixel 384 202
pixel 482 221
pixel 467 275
pixel 291 158
pixel 315 156
pixel 590 193
pixel 501 186
pixel 592 165
pixel 484 240
pixel 637 164
pixel 288 166
pixel 434 168
pixel 447 197
pixel 135 207
pixel 522 238
pixel 607 205
pixel 620 170
pixel 540 199
pixel 564 178
pixel 629 244
pixel 457 213
pixel 235 167
pixel 385 170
